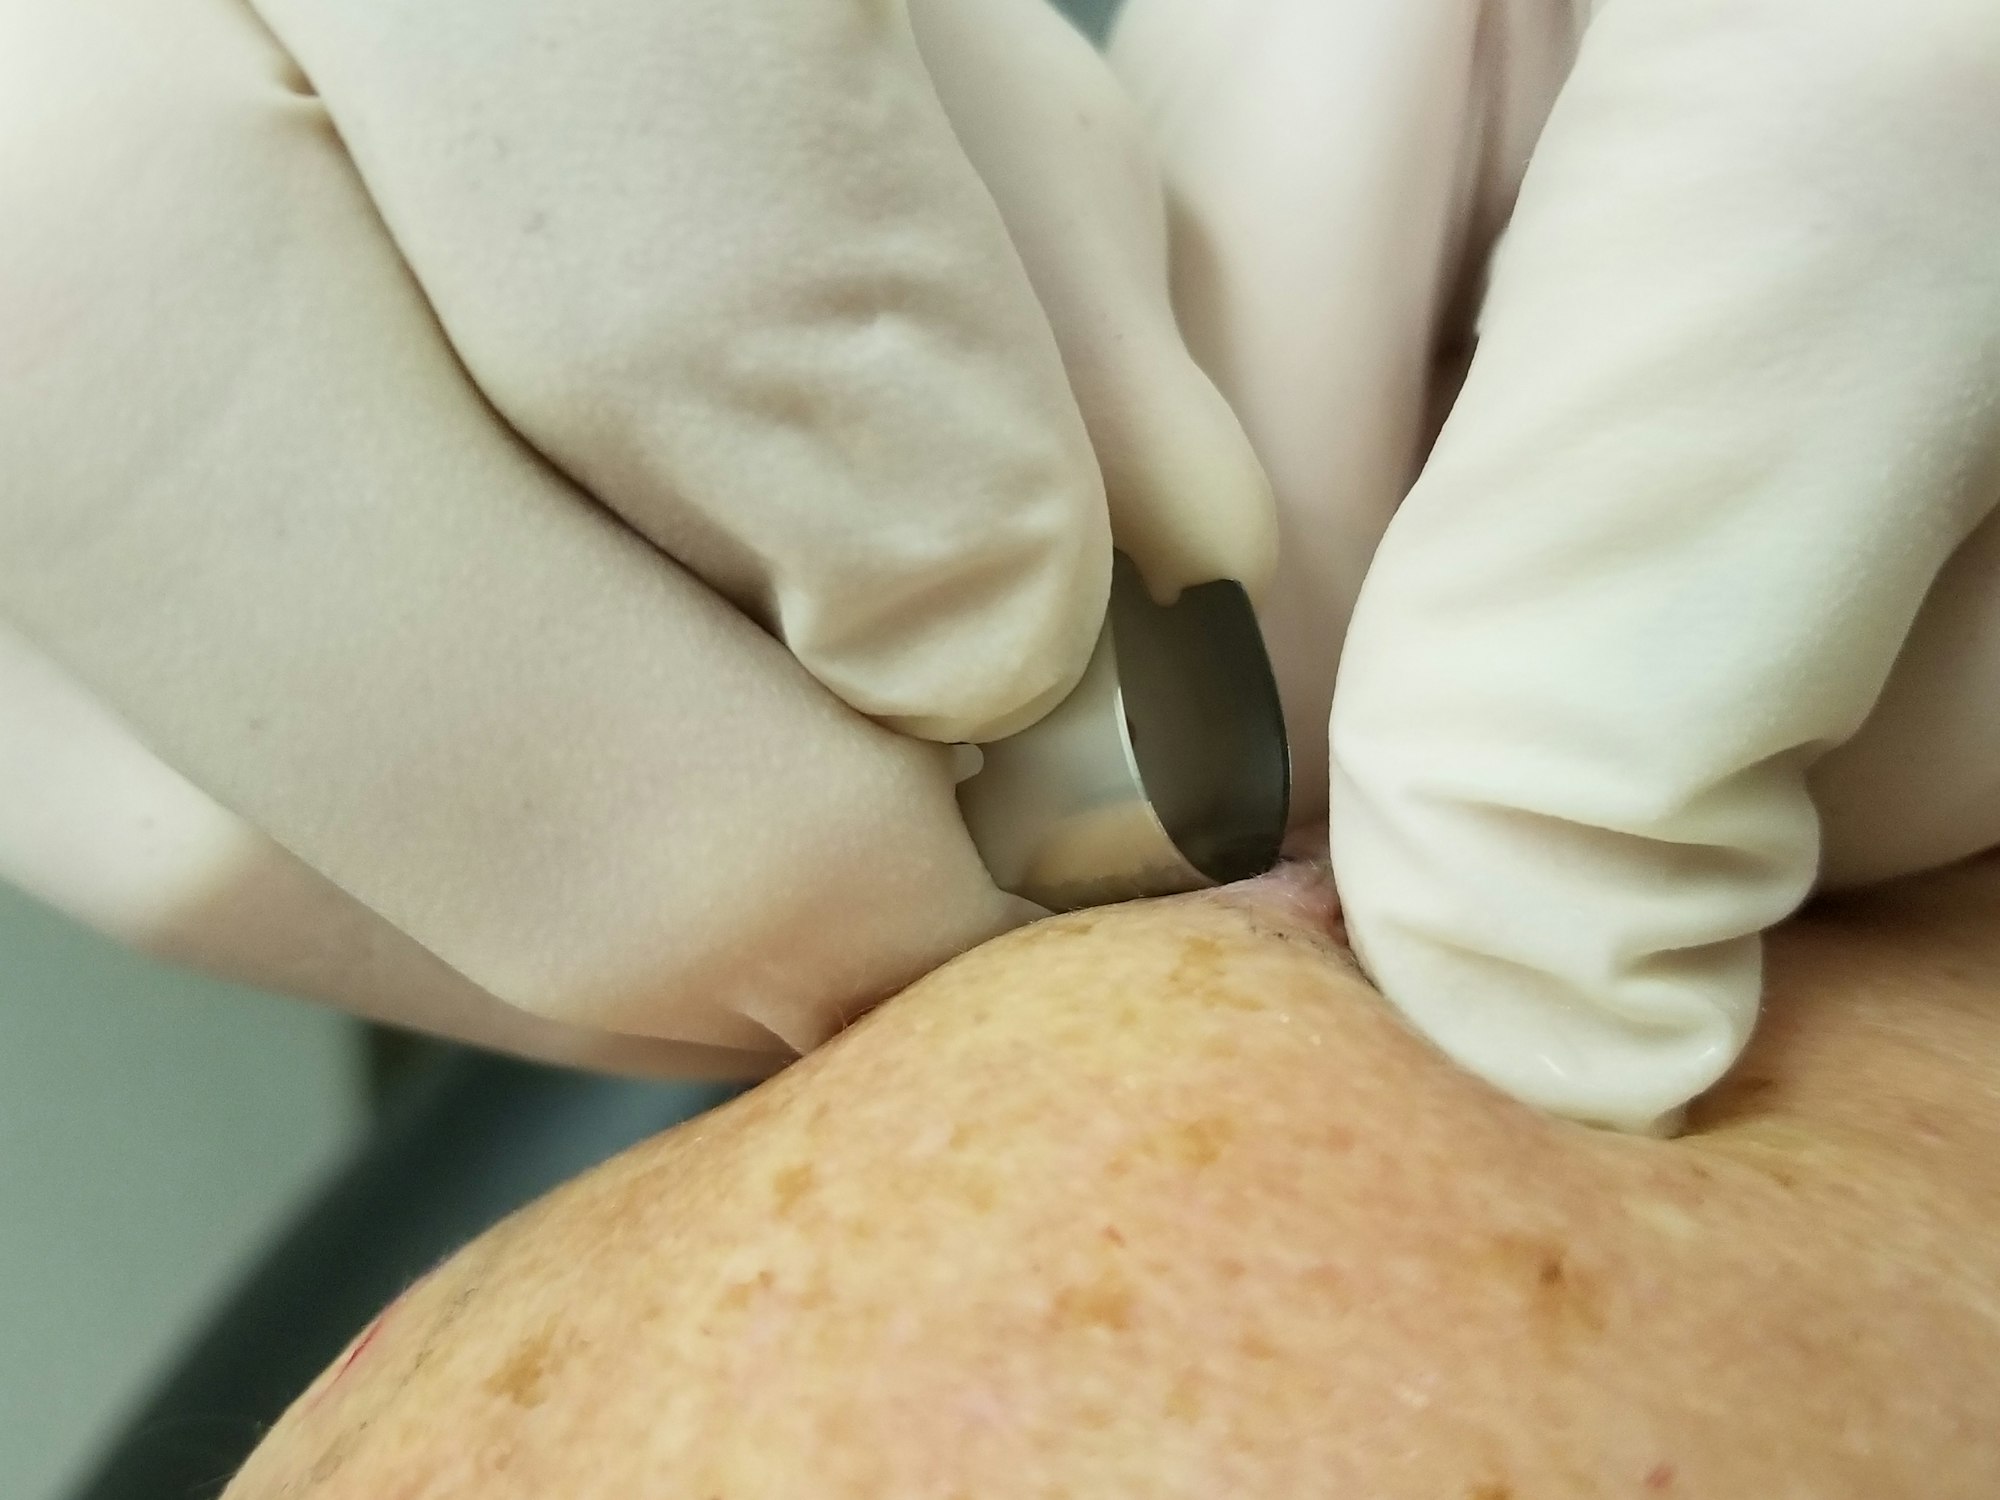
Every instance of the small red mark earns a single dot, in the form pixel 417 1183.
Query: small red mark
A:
pixel 1660 1475
pixel 360 1346
pixel 368 1336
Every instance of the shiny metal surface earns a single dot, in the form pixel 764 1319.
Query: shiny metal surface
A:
pixel 1165 770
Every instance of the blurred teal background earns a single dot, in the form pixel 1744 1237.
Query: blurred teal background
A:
pixel 154 1129
pixel 1092 15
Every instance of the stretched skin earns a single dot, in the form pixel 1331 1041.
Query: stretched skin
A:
pixel 1163 1201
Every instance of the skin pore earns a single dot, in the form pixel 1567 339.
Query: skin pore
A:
pixel 1163 1201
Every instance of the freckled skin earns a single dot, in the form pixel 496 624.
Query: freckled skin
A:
pixel 1163 1202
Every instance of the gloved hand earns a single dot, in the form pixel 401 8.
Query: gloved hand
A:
pixel 1695 599
pixel 502 459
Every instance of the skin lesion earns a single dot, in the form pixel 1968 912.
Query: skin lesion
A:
pixel 788 1185
pixel 1162 1200
pixel 1565 1299
pixel 524 1377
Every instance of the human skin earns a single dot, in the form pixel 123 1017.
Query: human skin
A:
pixel 1163 1201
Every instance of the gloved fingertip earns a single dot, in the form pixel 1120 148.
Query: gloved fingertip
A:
pixel 978 650
pixel 1627 1055
pixel 967 730
pixel 1190 503
pixel 1662 1127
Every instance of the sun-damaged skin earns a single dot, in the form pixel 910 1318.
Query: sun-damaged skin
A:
pixel 1163 1201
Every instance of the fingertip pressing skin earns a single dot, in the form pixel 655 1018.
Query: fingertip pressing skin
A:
pixel 1702 476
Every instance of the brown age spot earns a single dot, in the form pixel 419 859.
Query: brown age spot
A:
pixel 523 1377
pixel 1780 1174
pixel 1324 1278
pixel 737 1295
pixel 1491 1489
pixel 1112 1235
pixel 1256 1346
pixel 1566 1299
pixel 976 1190
pixel 1197 1143
pixel 1200 957
pixel 1183 1403
pixel 1201 971
pixel 1104 1303
pixel 1058 929
pixel 789 1184
pixel 1233 997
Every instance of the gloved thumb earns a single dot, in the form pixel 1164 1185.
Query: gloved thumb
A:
pixel 1704 471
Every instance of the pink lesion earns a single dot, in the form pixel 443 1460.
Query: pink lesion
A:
pixel 361 1344
pixel 339 1370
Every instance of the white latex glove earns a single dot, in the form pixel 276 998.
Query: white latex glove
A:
pixel 502 458
pixel 1696 599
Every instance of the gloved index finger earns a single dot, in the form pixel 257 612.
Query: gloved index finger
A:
pixel 725 263
pixel 1084 205
pixel 1724 426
